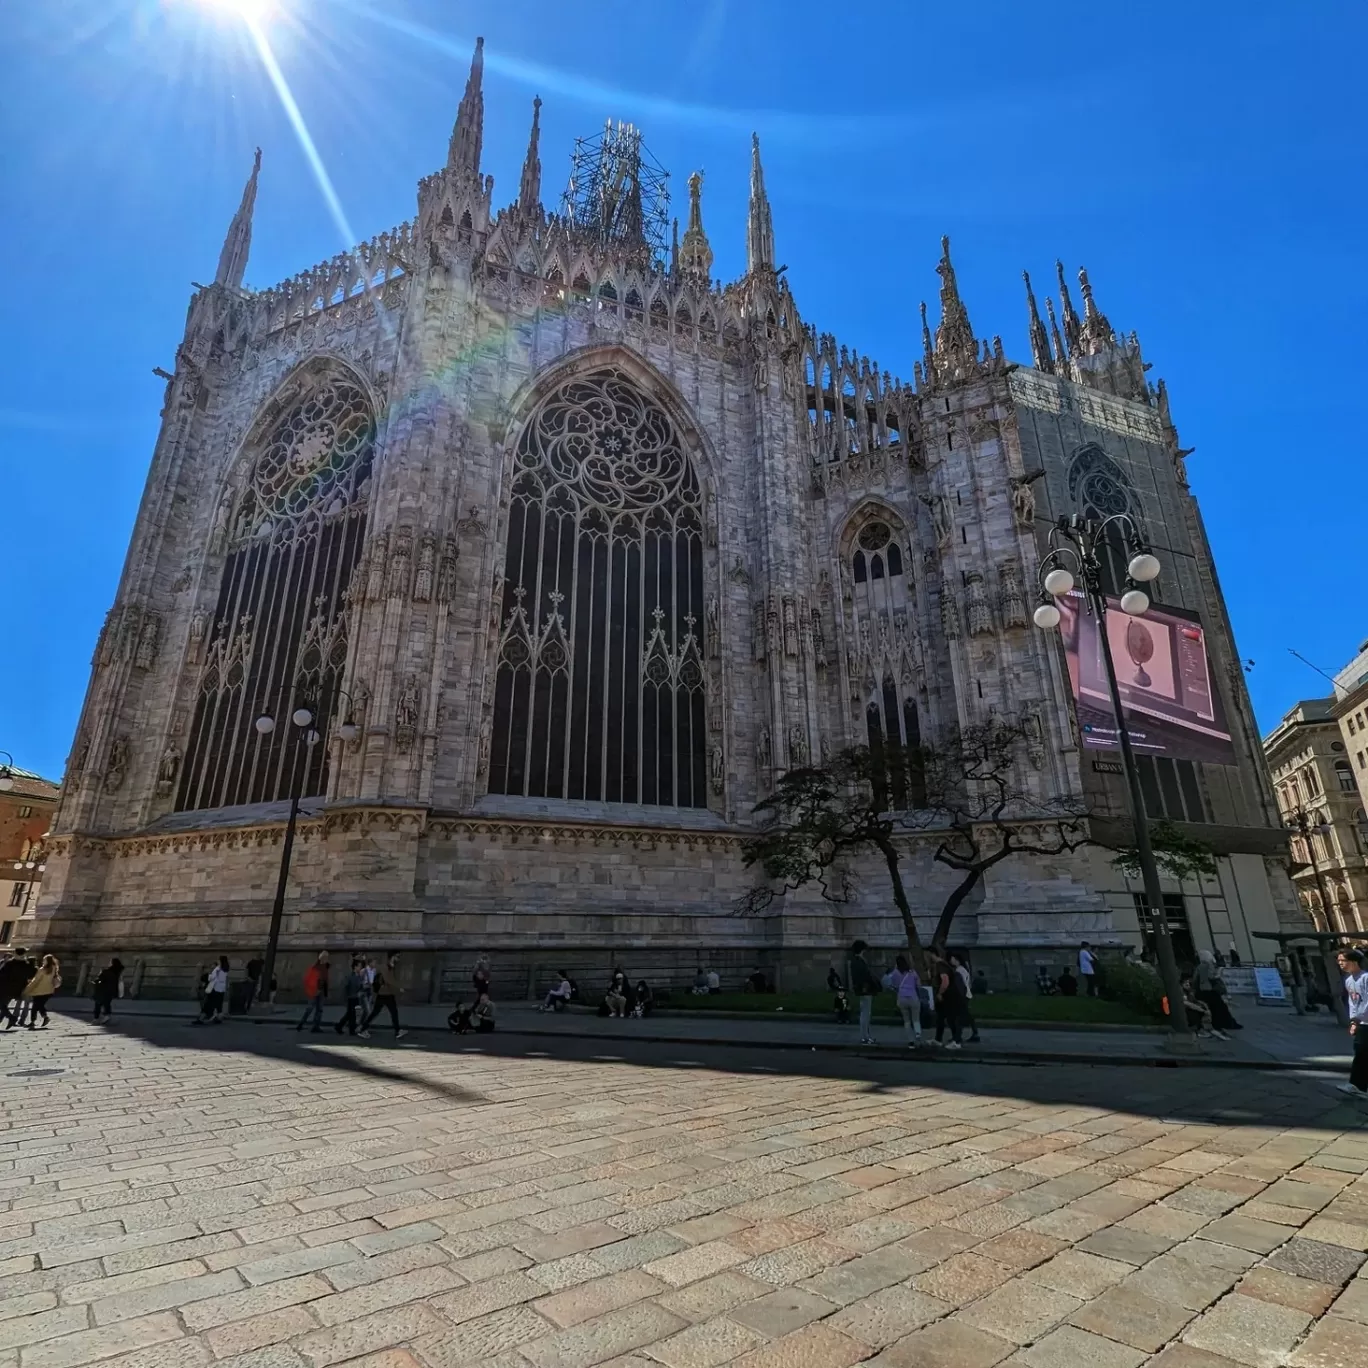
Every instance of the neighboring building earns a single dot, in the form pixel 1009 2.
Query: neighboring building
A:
pixel 1311 774
pixel 26 812
pixel 1351 713
pixel 571 549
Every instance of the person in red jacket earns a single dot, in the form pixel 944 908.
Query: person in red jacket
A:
pixel 315 991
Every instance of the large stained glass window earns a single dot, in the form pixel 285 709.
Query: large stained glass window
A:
pixel 292 538
pixel 599 690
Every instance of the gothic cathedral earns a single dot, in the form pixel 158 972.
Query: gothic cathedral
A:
pixel 561 551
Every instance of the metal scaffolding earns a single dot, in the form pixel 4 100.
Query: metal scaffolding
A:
pixel 619 193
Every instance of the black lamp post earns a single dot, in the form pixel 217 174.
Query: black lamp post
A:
pixel 303 718
pixel 1073 557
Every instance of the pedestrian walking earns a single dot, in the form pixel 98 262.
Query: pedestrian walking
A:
pixel 315 992
pixel 15 973
pixel 351 991
pixel 255 968
pixel 905 985
pixel 1087 969
pixel 864 985
pixel 108 986
pixel 1210 987
pixel 479 977
pixel 962 971
pixel 387 996
pixel 211 1014
pixel 1351 963
pixel 367 986
pixel 40 988
pixel 949 1005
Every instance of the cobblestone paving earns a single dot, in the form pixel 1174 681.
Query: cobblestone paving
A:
pixel 172 1197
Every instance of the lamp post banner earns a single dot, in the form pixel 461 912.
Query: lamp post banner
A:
pixel 1169 699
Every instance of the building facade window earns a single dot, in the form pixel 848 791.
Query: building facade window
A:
pixel 1099 489
pixel 6 932
pixel 1345 775
pixel 1171 789
pixel 26 810
pixel 293 537
pixel 1175 915
pixel 17 893
pixel 600 681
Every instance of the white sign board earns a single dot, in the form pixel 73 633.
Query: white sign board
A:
pixel 1268 984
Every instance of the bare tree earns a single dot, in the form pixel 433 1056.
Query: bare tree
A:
pixel 967 792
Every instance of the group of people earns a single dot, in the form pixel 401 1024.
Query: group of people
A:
pixel 367 990
pixel 479 1016
pixel 623 1000
pixel 952 991
pixel 26 984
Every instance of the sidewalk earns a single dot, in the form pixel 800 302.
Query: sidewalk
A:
pixel 1274 1037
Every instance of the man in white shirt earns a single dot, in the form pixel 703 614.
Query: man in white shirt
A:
pixel 1086 970
pixel 1356 990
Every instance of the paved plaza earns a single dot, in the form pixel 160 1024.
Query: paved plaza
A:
pixel 173 1197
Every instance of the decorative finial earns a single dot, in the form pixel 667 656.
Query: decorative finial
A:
pixel 1056 340
pixel 956 346
pixel 1066 311
pixel 463 152
pixel 238 243
pixel 760 225
pixel 926 333
pixel 529 188
pixel 1040 342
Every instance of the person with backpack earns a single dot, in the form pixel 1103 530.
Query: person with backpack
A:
pixel 904 983
pixel 351 991
pixel 387 996
pixel 15 973
pixel 315 991
pixel 864 985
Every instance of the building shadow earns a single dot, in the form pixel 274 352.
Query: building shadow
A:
pixel 1277 1098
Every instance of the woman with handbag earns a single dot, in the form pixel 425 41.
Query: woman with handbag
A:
pixel 1210 988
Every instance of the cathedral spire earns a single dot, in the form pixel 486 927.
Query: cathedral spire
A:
pixel 529 188
pixel 1066 312
pixel 695 253
pixel 1040 342
pixel 760 227
pixel 1056 340
pixel 233 258
pixel 927 350
pixel 1096 332
pixel 956 346
pixel 463 153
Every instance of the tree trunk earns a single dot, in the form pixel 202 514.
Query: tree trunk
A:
pixel 952 904
pixel 890 854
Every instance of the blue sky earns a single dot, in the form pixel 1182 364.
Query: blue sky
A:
pixel 1204 161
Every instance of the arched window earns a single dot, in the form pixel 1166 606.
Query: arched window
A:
pixel 293 537
pixel 1099 489
pixel 599 692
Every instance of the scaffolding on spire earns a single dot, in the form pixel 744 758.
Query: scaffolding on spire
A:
pixel 619 193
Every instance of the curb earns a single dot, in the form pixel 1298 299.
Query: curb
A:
pixel 976 1054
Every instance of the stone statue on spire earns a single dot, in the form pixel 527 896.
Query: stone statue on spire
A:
pixel 695 252
pixel 233 258
pixel 529 188
pixel 467 137
pixel 760 224
pixel 1096 333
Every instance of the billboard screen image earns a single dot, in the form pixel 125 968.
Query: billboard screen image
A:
pixel 1168 697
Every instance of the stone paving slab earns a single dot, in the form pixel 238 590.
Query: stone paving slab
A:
pixel 246 1198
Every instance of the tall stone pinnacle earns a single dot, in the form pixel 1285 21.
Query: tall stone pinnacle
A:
pixel 529 188
pixel 1096 333
pixel 1040 342
pixel 467 137
pixel 1067 317
pixel 760 225
pixel 695 252
pixel 233 258
pixel 956 346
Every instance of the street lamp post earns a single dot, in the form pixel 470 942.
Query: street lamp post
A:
pixel 1076 541
pixel 303 718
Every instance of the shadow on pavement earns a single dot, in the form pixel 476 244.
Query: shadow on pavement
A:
pixel 1192 1094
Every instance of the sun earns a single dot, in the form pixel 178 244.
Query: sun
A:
pixel 251 11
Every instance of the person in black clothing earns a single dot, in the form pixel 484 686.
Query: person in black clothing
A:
pixel 479 978
pixel 1068 985
pixel 840 1003
pixel 949 1004
pixel 864 985
pixel 643 999
pixel 254 971
pixel 107 989
pixel 387 996
pixel 15 973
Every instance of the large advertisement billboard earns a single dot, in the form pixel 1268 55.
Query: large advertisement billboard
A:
pixel 1168 697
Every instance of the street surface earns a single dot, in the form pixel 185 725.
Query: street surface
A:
pixel 173 1196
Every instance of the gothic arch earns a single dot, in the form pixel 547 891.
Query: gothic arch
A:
pixel 290 525
pixel 599 672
